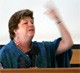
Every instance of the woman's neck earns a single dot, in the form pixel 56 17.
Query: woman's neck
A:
pixel 24 46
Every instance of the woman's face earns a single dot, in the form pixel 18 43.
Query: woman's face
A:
pixel 25 29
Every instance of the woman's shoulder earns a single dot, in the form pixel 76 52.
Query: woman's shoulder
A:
pixel 6 48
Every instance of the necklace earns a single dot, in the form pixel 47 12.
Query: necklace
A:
pixel 23 50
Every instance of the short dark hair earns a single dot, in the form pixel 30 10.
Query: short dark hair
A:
pixel 15 19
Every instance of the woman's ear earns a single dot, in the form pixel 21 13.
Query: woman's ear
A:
pixel 16 33
pixel 15 30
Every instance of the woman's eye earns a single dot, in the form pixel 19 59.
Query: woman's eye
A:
pixel 32 22
pixel 26 23
pixel 29 22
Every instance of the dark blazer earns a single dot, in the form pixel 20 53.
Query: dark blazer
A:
pixel 12 57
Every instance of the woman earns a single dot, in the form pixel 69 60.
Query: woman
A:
pixel 22 52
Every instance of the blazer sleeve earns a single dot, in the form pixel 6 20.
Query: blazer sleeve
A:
pixel 63 60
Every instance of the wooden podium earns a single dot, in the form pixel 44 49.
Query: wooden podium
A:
pixel 41 70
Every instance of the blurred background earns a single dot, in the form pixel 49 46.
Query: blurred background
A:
pixel 46 29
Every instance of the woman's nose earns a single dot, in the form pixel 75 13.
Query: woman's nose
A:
pixel 30 24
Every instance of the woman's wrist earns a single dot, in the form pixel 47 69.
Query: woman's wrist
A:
pixel 58 22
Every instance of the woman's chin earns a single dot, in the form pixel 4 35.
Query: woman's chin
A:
pixel 31 35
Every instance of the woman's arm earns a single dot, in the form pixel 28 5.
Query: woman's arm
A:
pixel 66 42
